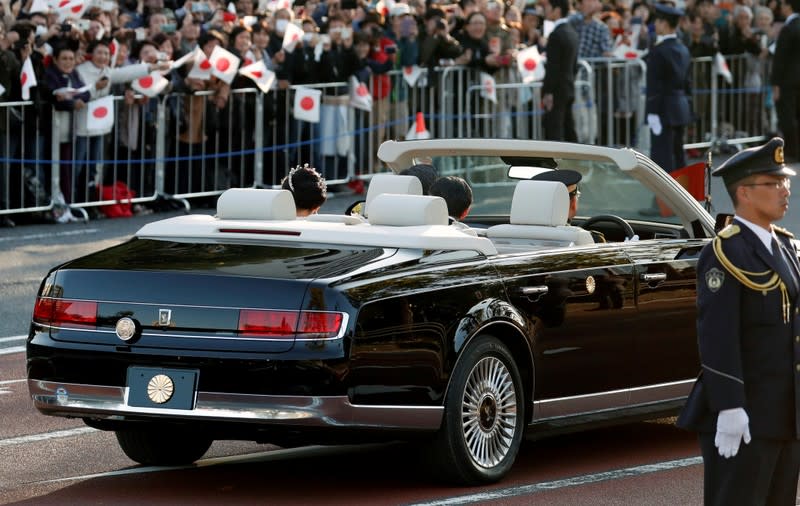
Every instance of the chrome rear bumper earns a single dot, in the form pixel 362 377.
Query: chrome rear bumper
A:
pixel 94 401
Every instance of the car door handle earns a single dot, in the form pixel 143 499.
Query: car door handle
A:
pixel 533 290
pixel 653 278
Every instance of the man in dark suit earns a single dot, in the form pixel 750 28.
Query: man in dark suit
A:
pixel 786 79
pixel 748 279
pixel 668 90
pixel 558 88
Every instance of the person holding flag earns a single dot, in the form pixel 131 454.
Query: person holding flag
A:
pixel 93 123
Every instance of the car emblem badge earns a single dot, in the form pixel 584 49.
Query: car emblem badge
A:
pixel 125 329
pixel 714 279
pixel 164 317
pixel 590 284
pixel 160 388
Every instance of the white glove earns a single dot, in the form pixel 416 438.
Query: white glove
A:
pixel 654 122
pixel 732 428
pixel 634 238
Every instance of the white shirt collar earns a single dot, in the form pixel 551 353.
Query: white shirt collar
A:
pixel 765 235
pixel 662 38
pixel 560 21
pixel 790 18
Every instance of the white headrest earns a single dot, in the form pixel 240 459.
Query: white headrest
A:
pixel 255 204
pixel 540 203
pixel 391 183
pixel 408 210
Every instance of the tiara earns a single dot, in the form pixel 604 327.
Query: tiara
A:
pixel 322 181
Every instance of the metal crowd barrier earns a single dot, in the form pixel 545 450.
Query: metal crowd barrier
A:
pixel 24 160
pixel 184 147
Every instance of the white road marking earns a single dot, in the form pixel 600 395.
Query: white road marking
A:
pixel 8 382
pixel 12 338
pixel 32 438
pixel 9 351
pixel 567 482
pixel 84 231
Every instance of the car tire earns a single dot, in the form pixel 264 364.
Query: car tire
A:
pixel 163 447
pixel 484 416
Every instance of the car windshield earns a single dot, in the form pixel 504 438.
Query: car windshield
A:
pixel 604 188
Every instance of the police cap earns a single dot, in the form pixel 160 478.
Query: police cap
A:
pixel 666 10
pixel 566 176
pixel 766 159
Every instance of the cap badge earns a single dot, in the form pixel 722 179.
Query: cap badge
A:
pixel 779 154
pixel 714 279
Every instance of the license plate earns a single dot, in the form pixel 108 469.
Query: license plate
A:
pixel 155 387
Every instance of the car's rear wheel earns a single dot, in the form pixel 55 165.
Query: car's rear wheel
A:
pixel 158 446
pixel 484 416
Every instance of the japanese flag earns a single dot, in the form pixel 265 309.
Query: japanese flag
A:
pixel 530 65
pixel 113 48
pixel 411 74
pixel 625 52
pixel 488 87
pixel 39 6
pixel 259 73
pixel 150 85
pixel 360 97
pixel 100 114
pixel 249 57
pixel 224 64
pixel 27 79
pixel 291 37
pixel 721 67
pixel 202 66
pixel 71 9
pixel 306 104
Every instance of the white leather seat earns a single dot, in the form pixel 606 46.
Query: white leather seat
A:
pixel 256 204
pixel 539 212
pixel 391 183
pixel 407 210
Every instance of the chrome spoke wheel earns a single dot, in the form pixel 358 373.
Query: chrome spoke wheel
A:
pixel 489 412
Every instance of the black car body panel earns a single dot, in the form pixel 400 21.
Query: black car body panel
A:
pixel 319 329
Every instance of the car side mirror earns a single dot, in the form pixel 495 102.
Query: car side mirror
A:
pixel 722 221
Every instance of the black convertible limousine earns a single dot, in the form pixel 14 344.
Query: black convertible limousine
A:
pixel 252 324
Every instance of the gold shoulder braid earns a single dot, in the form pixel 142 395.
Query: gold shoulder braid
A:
pixel 774 282
pixel 783 231
pixel 729 231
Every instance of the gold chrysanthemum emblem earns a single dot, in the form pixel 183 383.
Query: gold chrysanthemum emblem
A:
pixel 160 388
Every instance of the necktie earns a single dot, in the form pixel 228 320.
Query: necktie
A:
pixel 785 270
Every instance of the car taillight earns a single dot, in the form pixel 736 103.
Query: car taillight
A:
pixel 65 313
pixel 289 324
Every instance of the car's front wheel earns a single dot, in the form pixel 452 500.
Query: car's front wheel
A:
pixel 163 446
pixel 484 416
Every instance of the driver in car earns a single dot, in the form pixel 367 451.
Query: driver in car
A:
pixel 570 178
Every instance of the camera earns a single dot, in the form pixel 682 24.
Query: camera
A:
pixel 66 27
pixel 441 25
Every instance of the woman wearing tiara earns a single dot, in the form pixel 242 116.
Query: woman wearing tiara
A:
pixel 308 188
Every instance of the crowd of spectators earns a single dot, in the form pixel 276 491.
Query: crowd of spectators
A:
pixel 113 43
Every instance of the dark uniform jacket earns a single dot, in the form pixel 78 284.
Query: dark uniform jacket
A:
pixel 669 84
pixel 785 63
pixel 749 353
pixel 562 63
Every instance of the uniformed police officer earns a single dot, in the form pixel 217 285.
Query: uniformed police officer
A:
pixel 748 328
pixel 669 86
